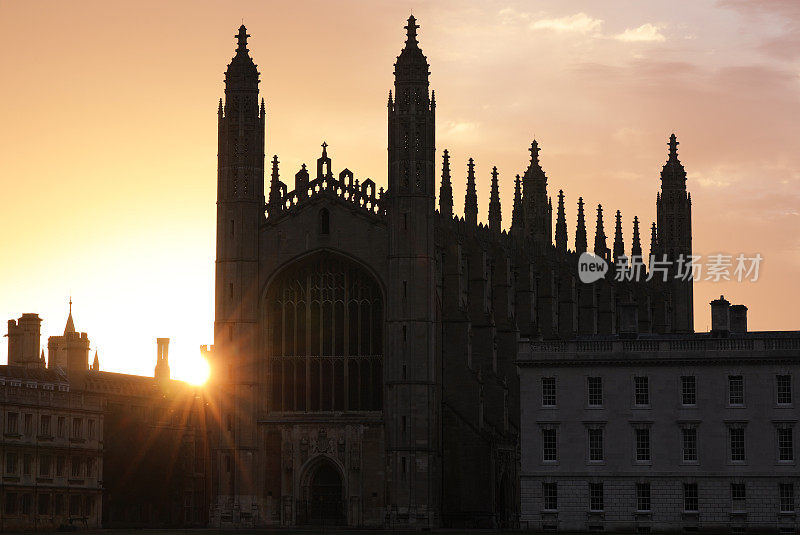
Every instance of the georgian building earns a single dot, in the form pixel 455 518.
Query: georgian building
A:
pixel 662 432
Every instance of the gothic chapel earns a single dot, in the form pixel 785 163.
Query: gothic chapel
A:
pixel 365 341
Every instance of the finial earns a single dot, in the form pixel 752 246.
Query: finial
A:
pixel 673 145
pixel 411 30
pixel 324 149
pixel 70 304
pixel 242 39
pixel 534 151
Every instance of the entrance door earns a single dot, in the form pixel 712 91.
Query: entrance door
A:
pixel 327 505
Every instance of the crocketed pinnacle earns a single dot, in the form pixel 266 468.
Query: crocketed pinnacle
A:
pixel 581 244
pixel 495 215
pixel 561 224
pixel 446 188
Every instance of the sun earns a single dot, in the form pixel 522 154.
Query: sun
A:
pixel 197 373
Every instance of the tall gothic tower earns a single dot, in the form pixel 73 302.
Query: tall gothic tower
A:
pixel 674 215
pixel 412 359
pixel 240 209
pixel 538 211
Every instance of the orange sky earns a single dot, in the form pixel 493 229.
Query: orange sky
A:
pixel 108 138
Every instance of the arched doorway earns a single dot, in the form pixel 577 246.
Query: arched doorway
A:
pixel 324 497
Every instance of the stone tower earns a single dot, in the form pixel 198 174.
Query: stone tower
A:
pixel 674 215
pixel 70 352
pixel 538 211
pixel 240 210
pixel 23 341
pixel 412 359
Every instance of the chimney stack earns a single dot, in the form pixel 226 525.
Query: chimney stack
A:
pixel 738 317
pixel 720 317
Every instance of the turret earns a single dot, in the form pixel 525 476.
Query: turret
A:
pixel 581 243
pixel 24 341
pixel 495 216
pixel 538 211
pixel 561 224
pixel 274 186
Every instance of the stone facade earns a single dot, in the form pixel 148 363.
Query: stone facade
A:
pixel 51 452
pixel 706 423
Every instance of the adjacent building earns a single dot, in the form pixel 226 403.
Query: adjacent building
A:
pixel 662 432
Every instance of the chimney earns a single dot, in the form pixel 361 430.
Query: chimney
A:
pixel 162 360
pixel 720 317
pixel 738 317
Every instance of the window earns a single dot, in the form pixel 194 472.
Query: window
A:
pixel 61 464
pixel 29 424
pixel 690 497
pixel 75 505
pixel 595 385
pixel 785 444
pixel 44 465
pixel 689 444
pixel 62 427
pixel 787 497
pixel 643 444
pixel 12 423
pixel 737 443
pixel 550 495
pixel 11 503
pixel 641 391
pixel 688 390
pixel 27 461
pixel 44 504
pixel 89 467
pixel 76 467
pixel 324 222
pixel 91 429
pixel 25 504
pixel 11 463
pixel 44 425
pixel 548 391
pixel 643 496
pixel 595 496
pixel 783 386
pixel 596 444
pixel 735 390
pixel 77 428
pixel 59 508
pixel 549 449
pixel 738 496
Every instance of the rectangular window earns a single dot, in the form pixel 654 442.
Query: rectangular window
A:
pixel 785 444
pixel 690 497
pixel 77 428
pixel 44 504
pixel 641 391
pixel 27 461
pixel 689 444
pixel 783 384
pixel 643 444
pixel 44 465
pixel 738 492
pixel 28 424
pixel 91 429
pixel 61 464
pixel 62 427
pixel 595 385
pixel 12 423
pixel 548 391
pixel 737 443
pixel 787 497
pixel 595 444
pixel 11 463
pixel 549 449
pixel 25 504
pixel 595 496
pixel 643 496
pixel 688 390
pixel 550 495
pixel 44 425
pixel 735 390
pixel 11 503
pixel 76 467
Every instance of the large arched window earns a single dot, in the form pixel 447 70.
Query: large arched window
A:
pixel 325 337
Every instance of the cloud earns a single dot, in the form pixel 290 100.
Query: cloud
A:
pixel 578 23
pixel 645 33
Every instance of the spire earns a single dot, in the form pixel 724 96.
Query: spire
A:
pixel 96 363
pixel 219 109
pixel 517 215
pixel 636 245
pixel 534 150
pixel 673 147
pixel 600 247
pixel 411 32
pixel 41 358
pixel 653 240
pixel 411 65
pixel 580 232
pixel 70 327
pixel 619 245
pixel 446 189
pixel 495 215
pixel 673 175
pixel 538 210
pixel 242 74
pixel 274 184
pixel 471 198
pixel 561 224
pixel 241 38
